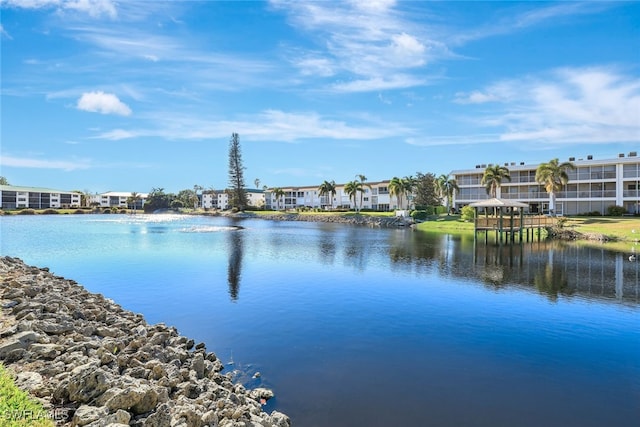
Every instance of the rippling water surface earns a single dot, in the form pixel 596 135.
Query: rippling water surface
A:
pixel 355 326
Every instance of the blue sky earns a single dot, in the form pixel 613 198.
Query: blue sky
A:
pixel 102 95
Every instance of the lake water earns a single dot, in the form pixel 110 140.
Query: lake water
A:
pixel 353 326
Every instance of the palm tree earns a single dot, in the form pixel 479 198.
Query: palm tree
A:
pixel 257 182
pixel 278 193
pixel 446 187
pixel 409 184
pixel 328 189
pixel 196 188
pixel 352 188
pixel 396 188
pixel 133 200
pixel 362 179
pixel 492 178
pixel 553 175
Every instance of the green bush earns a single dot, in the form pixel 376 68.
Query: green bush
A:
pixel 78 211
pixel 616 210
pixel 441 210
pixel 467 213
pixel 50 212
pixel 27 212
pixel 421 215
pixel 430 210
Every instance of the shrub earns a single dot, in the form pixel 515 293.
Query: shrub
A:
pixel 421 215
pixel 14 401
pixel 50 212
pixel 78 211
pixel 27 212
pixel 616 210
pixel 441 210
pixel 106 211
pixel 467 213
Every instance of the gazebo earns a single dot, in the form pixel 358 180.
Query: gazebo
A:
pixel 507 218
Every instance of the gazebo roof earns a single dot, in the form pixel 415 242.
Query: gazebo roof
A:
pixel 496 203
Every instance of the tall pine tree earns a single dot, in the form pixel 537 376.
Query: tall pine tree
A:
pixel 237 192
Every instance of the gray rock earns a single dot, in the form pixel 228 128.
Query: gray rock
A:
pixel 55 328
pixel 120 418
pixel 279 419
pixel 197 364
pixel 30 381
pixel 10 304
pixel 160 418
pixel 85 383
pixel 261 393
pixel 46 351
pixel 87 414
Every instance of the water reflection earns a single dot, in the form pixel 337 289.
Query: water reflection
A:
pixel 553 268
pixel 235 241
pixel 552 281
pixel 327 245
pixel 356 254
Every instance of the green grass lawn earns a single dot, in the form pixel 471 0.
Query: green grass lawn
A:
pixel 448 223
pixel 624 230
pixel 17 409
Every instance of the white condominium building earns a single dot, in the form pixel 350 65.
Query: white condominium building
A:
pixel 220 199
pixel 117 199
pixel 593 186
pixel 15 197
pixel 375 197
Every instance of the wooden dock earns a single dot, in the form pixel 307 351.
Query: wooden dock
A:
pixel 507 219
pixel 507 227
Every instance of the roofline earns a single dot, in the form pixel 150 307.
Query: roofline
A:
pixel 35 189
pixel 630 158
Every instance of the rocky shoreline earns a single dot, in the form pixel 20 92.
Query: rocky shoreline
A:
pixel 363 220
pixel 92 363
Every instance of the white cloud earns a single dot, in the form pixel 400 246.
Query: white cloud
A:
pixel 315 66
pixel 104 103
pixel 569 105
pixel 379 83
pixel 93 8
pixel 32 4
pixel 407 48
pixel 22 162
pixel 516 19
pixel 475 97
pixel 268 125
pixel 439 140
pixel 118 134
pixel 373 5
pixel 4 33
pixel 367 43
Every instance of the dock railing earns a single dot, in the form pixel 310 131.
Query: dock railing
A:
pixel 513 223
